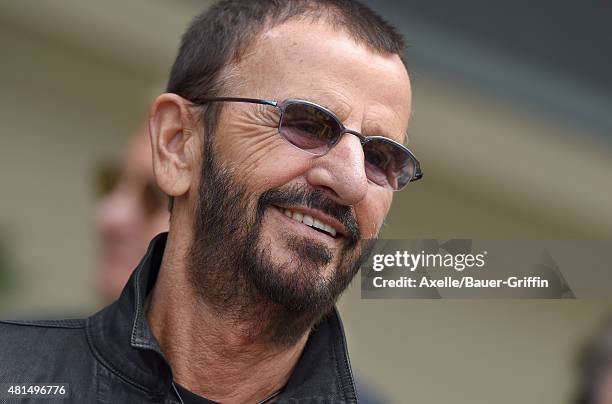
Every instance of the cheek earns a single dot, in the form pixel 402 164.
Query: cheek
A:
pixel 371 213
pixel 259 157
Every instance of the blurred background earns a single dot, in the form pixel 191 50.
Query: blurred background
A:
pixel 512 123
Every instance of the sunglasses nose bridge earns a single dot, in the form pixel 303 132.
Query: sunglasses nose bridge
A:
pixel 343 131
pixel 361 138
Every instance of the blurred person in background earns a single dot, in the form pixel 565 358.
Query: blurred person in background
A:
pixel 275 204
pixel 131 210
pixel 595 368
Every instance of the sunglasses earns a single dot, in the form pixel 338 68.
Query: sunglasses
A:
pixel 316 130
pixel 108 176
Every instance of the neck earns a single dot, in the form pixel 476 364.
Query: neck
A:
pixel 220 359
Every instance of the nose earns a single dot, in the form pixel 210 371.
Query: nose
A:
pixel 341 171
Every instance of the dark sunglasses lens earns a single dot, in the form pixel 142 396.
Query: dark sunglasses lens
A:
pixel 106 178
pixel 309 128
pixel 387 164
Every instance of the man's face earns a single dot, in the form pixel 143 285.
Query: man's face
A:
pixel 370 93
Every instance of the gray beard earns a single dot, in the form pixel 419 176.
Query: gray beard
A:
pixel 233 272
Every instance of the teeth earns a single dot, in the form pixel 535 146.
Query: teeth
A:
pixel 318 225
pixel 310 221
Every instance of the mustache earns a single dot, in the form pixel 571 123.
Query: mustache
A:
pixel 314 199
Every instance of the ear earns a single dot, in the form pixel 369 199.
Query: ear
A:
pixel 173 144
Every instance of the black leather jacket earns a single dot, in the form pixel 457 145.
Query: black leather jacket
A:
pixel 112 356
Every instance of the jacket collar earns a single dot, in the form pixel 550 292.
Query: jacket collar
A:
pixel 122 341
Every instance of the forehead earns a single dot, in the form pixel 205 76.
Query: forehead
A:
pixel 311 60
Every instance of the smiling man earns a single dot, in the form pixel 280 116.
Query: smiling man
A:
pixel 279 142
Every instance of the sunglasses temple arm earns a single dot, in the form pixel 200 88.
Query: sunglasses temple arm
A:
pixel 203 100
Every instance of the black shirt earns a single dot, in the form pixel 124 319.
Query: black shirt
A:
pixel 191 398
